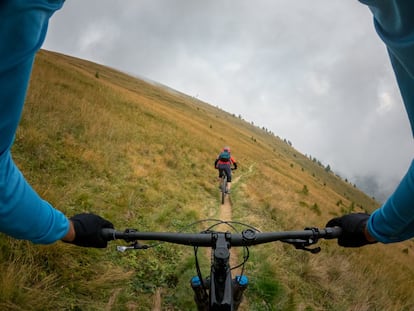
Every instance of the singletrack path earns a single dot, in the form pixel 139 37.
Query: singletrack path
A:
pixel 157 300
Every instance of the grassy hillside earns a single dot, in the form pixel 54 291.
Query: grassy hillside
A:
pixel 93 139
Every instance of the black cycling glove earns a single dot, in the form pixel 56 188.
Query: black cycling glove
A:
pixel 88 230
pixel 353 227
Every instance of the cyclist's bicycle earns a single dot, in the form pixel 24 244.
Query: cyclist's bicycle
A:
pixel 223 186
pixel 220 291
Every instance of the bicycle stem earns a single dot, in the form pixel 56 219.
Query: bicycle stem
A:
pixel 221 296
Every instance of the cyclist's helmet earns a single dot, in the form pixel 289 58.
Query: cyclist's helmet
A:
pixel 226 149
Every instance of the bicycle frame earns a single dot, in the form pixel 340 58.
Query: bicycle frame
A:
pixel 224 293
pixel 223 185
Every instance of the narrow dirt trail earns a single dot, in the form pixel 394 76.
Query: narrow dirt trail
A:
pixel 157 300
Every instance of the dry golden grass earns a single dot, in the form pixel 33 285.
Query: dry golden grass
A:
pixel 94 139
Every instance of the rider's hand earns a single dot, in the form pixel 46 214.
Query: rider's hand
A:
pixel 88 230
pixel 353 229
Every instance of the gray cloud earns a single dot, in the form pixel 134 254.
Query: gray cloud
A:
pixel 315 74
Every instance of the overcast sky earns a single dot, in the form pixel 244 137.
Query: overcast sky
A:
pixel 313 72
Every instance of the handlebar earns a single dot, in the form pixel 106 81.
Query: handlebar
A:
pixel 248 237
pixel 220 291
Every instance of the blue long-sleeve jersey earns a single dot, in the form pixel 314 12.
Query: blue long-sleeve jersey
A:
pixel 23 26
pixel 23 214
pixel 394 23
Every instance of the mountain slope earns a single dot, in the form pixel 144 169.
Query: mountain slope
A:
pixel 140 154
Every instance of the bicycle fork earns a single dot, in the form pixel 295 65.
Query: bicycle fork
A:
pixel 240 283
pixel 220 291
pixel 201 296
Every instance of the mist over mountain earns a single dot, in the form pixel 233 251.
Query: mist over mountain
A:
pixel 373 187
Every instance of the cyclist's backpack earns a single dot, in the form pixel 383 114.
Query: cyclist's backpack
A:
pixel 224 156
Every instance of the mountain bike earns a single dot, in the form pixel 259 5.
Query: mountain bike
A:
pixel 223 186
pixel 220 291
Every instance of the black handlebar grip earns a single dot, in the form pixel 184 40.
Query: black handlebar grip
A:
pixel 108 234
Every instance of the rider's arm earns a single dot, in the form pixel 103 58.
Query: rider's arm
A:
pixel 394 221
pixel 235 165
pixel 23 214
pixel 394 23
pixel 233 161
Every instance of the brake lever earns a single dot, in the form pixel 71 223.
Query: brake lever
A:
pixel 302 245
pixel 314 250
pixel 135 245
